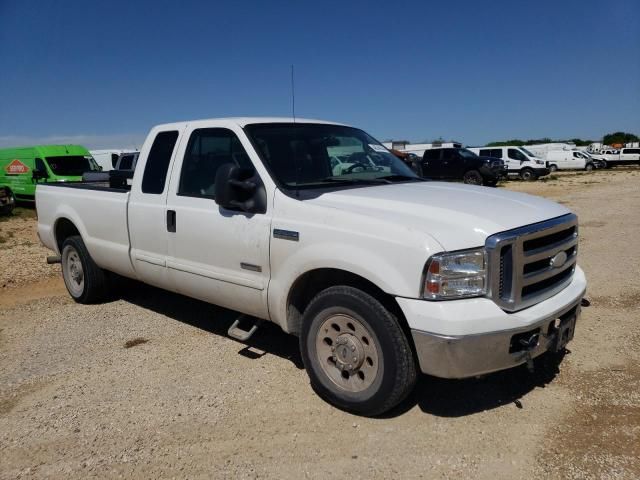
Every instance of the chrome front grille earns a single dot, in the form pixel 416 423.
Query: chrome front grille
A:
pixel 530 264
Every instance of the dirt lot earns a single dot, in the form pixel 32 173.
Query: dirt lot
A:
pixel 149 385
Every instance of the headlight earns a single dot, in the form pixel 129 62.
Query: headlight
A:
pixel 456 275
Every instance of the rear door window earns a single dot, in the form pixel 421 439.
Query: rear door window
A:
pixel 432 155
pixel 155 171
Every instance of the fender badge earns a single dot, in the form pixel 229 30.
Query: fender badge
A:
pixel 558 260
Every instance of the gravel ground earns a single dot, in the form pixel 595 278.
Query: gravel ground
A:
pixel 148 385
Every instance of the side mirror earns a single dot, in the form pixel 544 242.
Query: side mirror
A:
pixel 39 175
pixel 240 189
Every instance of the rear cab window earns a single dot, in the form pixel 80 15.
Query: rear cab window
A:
pixel 157 166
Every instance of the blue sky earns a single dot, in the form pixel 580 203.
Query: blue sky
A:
pixel 103 73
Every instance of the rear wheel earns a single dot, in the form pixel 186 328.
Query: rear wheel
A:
pixel 589 167
pixel 355 352
pixel 528 175
pixel 85 281
pixel 472 177
pixel 553 168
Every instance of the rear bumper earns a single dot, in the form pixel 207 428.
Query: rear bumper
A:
pixel 465 338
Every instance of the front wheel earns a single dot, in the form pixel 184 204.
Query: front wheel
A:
pixel 589 167
pixel 553 168
pixel 472 177
pixel 85 281
pixel 355 352
pixel 528 175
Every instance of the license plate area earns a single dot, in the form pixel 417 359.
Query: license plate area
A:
pixel 562 330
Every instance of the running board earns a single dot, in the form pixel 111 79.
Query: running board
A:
pixel 243 335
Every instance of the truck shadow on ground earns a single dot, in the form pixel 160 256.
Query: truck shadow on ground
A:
pixel 268 339
pixel 459 398
pixel 434 396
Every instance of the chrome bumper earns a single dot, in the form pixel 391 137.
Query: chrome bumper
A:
pixel 470 355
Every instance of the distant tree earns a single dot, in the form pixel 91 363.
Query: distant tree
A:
pixel 515 142
pixel 619 137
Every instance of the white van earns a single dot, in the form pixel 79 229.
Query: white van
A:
pixel 569 160
pixel 106 158
pixel 519 160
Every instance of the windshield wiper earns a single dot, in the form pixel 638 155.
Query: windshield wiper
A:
pixel 391 178
pixel 356 181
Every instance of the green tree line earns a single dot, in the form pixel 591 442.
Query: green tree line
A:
pixel 608 139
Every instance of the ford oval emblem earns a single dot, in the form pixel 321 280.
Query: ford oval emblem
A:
pixel 558 260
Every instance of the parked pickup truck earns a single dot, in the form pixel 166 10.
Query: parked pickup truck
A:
pixel 461 164
pixel 378 272
pixel 626 156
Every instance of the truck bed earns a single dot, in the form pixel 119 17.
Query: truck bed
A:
pixel 97 210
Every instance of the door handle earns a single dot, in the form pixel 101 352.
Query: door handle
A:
pixel 171 220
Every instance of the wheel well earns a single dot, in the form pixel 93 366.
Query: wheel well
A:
pixel 309 284
pixel 63 230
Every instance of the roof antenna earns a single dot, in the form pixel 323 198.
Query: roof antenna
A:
pixel 293 97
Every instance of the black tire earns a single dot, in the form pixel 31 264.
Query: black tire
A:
pixel 394 375
pixel 605 164
pixel 553 168
pixel 528 175
pixel 490 183
pixel 472 177
pixel 93 285
pixel 589 167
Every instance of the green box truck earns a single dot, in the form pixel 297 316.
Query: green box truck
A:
pixel 21 169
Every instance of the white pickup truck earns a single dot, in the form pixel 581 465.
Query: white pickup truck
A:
pixel 613 158
pixel 378 272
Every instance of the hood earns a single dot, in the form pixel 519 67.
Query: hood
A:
pixel 458 216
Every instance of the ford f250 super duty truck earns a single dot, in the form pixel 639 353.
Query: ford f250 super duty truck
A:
pixel 319 228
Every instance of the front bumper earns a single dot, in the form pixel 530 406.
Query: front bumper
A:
pixel 489 332
pixel 541 172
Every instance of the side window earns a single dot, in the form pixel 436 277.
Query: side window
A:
pixel 516 154
pixel 485 152
pixel 496 153
pixel 208 150
pixel 448 154
pixel 126 163
pixel 40 165
pixel 155 171
pixel 576 155
pixel 432 155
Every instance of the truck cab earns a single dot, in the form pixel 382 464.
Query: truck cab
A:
pixel 519 161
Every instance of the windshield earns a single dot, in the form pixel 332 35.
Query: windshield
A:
pixel 466 153
pixel 72 165
pixel 307 155
pixel 527 152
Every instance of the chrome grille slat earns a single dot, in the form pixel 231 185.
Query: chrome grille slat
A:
pixel 557 247
pixel 540 275
pixel 512 289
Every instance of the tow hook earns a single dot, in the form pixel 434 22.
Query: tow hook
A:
pixel 529 344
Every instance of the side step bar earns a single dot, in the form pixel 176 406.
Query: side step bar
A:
pixel 243 335
pixel 51 259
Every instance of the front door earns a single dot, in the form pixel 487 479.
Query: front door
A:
pixel 217 255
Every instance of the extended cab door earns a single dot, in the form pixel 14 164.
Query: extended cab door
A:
pixel 431 166
pixel 217 255
pixel 630 155
pixel 147 208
